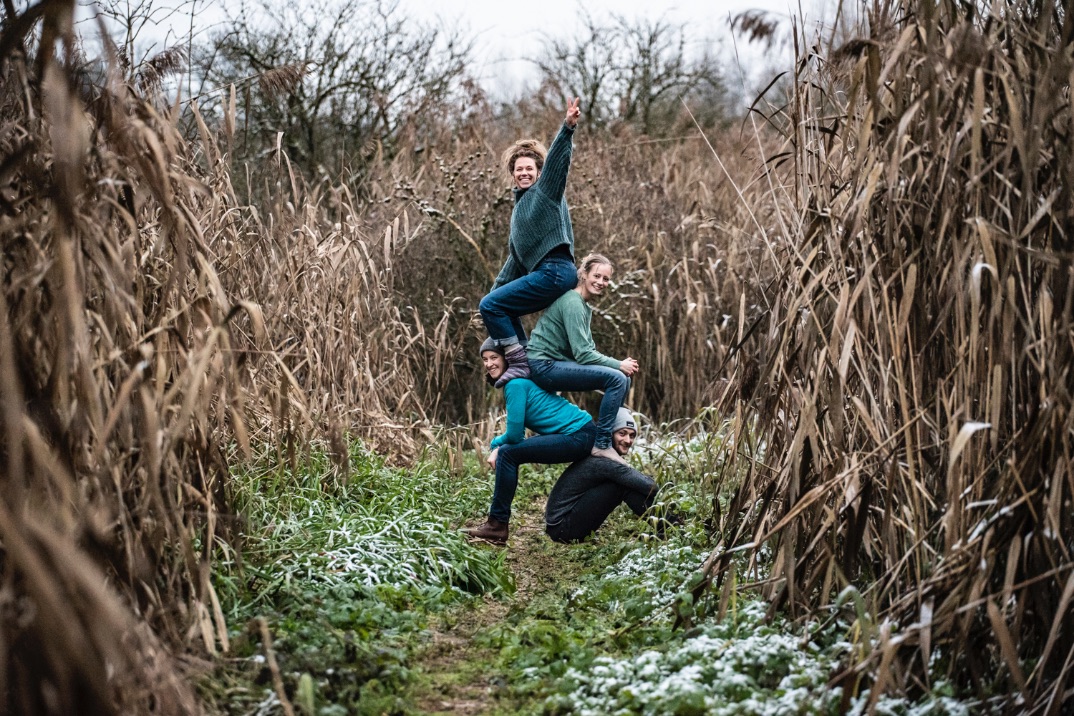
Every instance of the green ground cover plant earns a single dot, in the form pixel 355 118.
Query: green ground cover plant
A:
pixel 359 595
pixel 345 574
pixel 870 276
pixel 606 642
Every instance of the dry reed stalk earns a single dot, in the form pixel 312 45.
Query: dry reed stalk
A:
pixel 119 374
pixel 155 322
pixel 913 396
pixel 684 264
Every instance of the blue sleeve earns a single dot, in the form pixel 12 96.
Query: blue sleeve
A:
pixel 515 393
pixel 553 180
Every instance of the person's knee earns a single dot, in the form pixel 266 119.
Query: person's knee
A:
pixel 555 536
pixel 618 381
pixel 560 536
pixel 507 456
pixel 487 305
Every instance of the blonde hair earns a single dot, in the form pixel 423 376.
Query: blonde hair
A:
pixel 524 148
pixel 592 260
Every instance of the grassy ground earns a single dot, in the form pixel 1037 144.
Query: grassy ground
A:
pixel 361 596
pixel 457 673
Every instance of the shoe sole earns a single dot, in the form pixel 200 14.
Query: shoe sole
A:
pixel 486 540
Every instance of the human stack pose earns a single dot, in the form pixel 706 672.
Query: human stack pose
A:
pixel 540 273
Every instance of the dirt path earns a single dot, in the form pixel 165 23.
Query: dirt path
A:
pixel 456 675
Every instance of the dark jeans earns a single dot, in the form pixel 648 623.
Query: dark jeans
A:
pixel 599 497
pixel 535 291
pixel 545 449
pixel 556 375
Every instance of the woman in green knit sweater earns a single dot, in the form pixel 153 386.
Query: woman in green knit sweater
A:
pixel 564 357
pixel 540 258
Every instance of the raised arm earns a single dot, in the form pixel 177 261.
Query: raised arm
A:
pixel 553 180
pixel 574 111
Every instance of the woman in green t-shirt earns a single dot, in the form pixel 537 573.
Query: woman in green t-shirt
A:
pixel 563 356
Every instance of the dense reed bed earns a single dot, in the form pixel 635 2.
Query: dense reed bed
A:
pixel 911 382
pixel 155 326
pixel 393 269
pixel 880 266
pixel 119 388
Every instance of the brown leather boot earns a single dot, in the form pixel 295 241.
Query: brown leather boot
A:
pixel 492 531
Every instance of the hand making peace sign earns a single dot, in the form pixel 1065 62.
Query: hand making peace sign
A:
pixel 573 112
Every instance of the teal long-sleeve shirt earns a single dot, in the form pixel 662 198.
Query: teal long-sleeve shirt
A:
pixel 540 220
pixel 564 333
pixel 545 414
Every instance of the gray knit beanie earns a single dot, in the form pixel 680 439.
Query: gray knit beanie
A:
pixel 489 345
pixel 624 419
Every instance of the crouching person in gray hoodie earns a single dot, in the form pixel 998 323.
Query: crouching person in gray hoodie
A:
pixel 590 489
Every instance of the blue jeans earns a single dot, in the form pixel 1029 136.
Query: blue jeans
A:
pixel 545 449
pixel 556 375
pixel 535 291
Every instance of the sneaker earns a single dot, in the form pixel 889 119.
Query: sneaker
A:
pixel 492 531
pixel 518 365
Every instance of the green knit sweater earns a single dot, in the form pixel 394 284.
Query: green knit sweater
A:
pixel 564 333
pixel 540 220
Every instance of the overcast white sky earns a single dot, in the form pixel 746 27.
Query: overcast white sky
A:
pixel 510 32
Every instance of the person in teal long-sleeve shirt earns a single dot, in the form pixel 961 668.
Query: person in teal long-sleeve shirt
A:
pixel 564 357
pixel 564 433
pixel 540 250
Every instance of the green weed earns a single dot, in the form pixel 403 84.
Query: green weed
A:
pixel 346 574
pixel 377 605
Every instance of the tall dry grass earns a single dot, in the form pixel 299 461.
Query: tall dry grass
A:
pixel 372 291
pixel 121 390
pixel 155 326
pixel 912 381
pixel 688 256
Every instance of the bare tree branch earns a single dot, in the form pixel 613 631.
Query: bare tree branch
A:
pixel 367 73
pixel 632 72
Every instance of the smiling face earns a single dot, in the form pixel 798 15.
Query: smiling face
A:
pixel 525 172
pixel 623 440
pixel 595 281
pixel 494 363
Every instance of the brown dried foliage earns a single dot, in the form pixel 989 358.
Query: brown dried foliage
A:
pixel 898 276
pixel 151 329
pixel 152 321
pixel 688 253
pixel 912 380
pixel 118 381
